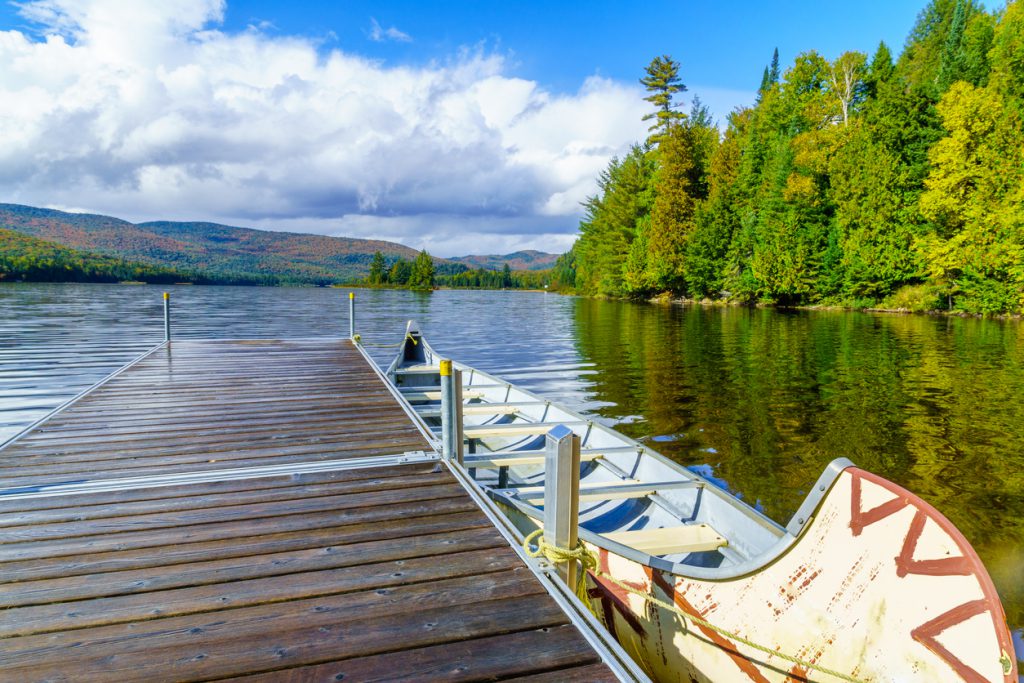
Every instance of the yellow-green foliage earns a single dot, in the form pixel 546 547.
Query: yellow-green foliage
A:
pixel 851 180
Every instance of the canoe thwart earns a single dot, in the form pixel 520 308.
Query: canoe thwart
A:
pixel 689 538
pixel 615 491
pixel 515 429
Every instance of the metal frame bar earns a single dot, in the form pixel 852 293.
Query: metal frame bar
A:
pixel 432 439
pixel 80 395
pixel 596 635
pixel 234 474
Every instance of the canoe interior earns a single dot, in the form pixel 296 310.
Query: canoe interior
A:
pixel 634 501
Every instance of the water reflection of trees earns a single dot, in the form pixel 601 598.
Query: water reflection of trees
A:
pixel 768 398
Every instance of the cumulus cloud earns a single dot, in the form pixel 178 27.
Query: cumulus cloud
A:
pixel 378 34
pixel 149 110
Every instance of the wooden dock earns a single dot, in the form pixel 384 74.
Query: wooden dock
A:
pixel 261 509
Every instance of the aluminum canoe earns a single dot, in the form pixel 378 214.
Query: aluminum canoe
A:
pixel 867 582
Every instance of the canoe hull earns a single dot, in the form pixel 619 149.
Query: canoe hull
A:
pixel 880 586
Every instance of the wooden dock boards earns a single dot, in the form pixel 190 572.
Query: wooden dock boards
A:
pixel 366 574
pixel 389 572
pixel 206 405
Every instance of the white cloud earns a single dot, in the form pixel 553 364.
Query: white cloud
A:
pixel 378 34
pixel 147 111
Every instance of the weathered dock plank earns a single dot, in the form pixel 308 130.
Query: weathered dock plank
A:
pixel 207 405
pixel 233 588
pixel 172 554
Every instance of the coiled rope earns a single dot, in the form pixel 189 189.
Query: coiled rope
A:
pixel 588 562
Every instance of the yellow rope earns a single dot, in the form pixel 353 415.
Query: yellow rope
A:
pixel 359 341
pixel 588 562
pixel 556 555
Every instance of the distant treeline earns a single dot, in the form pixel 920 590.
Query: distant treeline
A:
pixel 862 181
pixel 34 260
pixel 423 273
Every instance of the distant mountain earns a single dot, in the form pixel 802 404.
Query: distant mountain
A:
pixel 218 250
pixel 35 260
pixel 520 260
pixel 227 253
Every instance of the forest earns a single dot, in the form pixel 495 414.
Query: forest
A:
pixel 34 260
pixel 424 273
pixel 867 181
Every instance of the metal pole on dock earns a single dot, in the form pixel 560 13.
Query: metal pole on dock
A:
pixel 451 412
pixel 562 495
pixel 351 315
pixel 167 316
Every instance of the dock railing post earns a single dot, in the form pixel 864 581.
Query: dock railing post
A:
pixel 351 315
pixel 167 316
pixel 451 412
pixel 562 495
pixel 446 406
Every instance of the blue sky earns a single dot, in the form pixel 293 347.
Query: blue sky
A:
pixel 723 46
pixel 458 127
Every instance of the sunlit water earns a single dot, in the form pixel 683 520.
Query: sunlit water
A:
pixel 758 399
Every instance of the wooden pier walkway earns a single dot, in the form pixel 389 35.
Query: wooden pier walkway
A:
pixel 260 510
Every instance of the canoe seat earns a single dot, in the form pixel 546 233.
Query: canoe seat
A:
pixel 688 538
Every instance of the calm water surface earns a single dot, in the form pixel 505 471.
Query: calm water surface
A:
pixel 758 399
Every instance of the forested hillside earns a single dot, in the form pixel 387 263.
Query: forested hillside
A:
pixel 34 260
pixel 224 253
pixel 518 260
pixel 868 180
pixel 219 250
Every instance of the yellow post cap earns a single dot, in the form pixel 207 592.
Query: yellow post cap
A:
pixel 351 295
pixel 446 368
pixel 167 295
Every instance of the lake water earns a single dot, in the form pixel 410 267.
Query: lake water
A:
pixel 758 399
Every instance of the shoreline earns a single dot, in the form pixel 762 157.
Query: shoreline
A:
pixel 664 299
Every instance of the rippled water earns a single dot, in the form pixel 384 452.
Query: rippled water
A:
pixel 759 399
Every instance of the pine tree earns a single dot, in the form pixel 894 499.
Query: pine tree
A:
pixel 951 65
pixel 765 84
pixel 422 276
pixel 662 81
pixel 773 72
pixel 401 271
pixel 378 270
pixel 770 76
pixel 673 213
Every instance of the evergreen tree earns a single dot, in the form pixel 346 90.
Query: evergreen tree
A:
pixel 611 222
pixel 422 272
pixel 879 71
pixel 950 65
pixel 378 270
pixel 773 72
pixel 563 275
pixel 662 81
pixel 918 191
pixel 401 271
pixel 765 83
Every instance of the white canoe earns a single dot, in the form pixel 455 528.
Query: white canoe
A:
pixel 867 582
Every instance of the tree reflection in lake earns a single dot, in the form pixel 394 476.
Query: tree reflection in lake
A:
pixel 765 399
